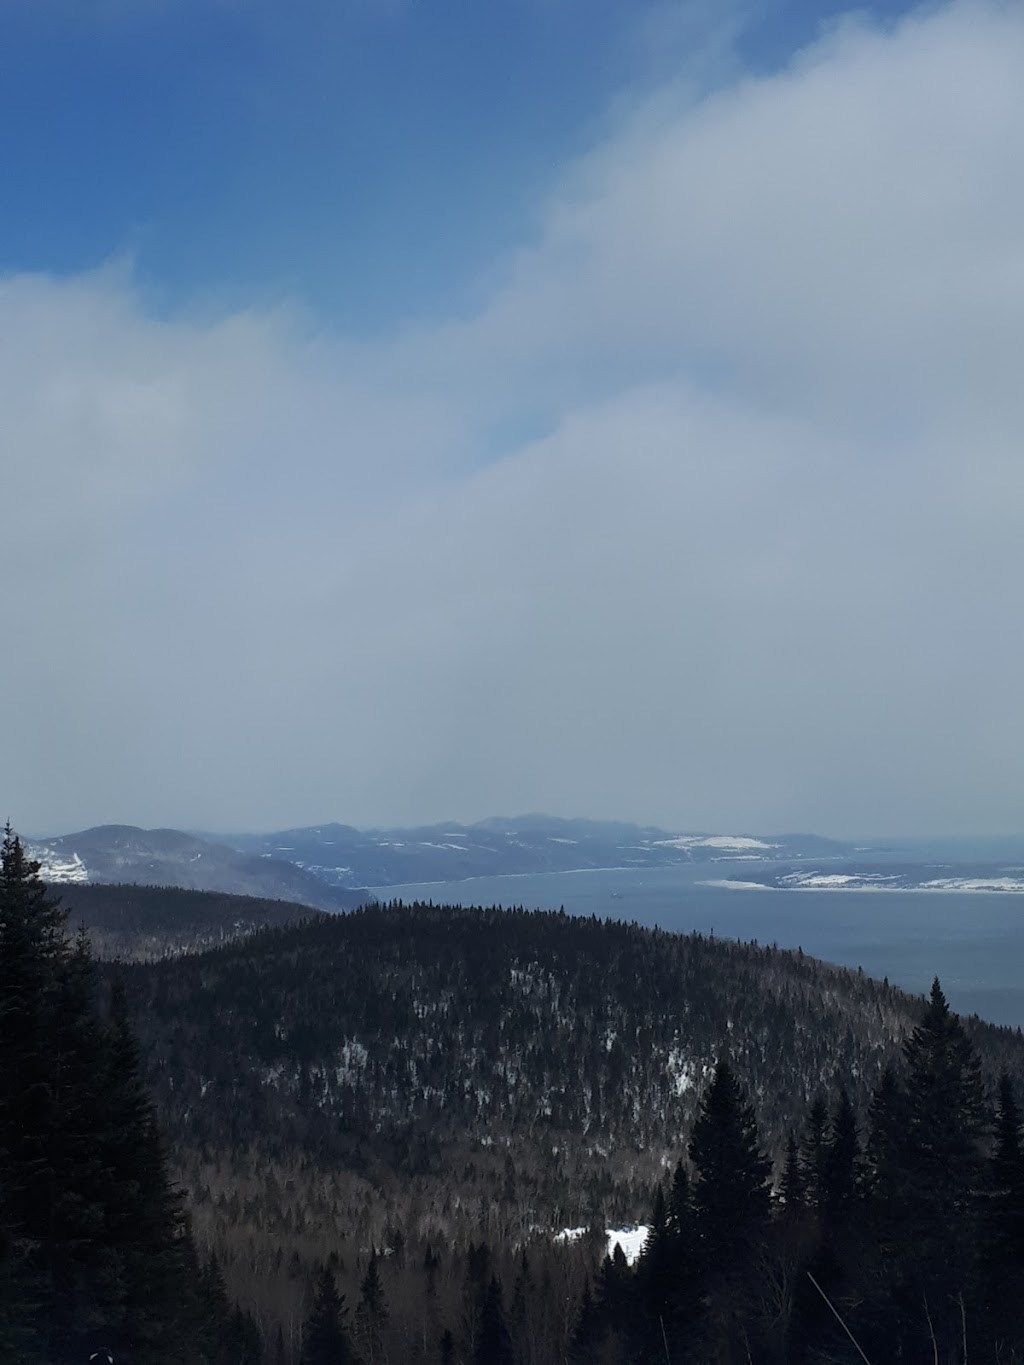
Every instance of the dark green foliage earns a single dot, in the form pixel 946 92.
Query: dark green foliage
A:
pixel 1005 1223
pixel 841 1170
pixel 371 1315
pixel 731 1210
pixel 493 1343
pixel 813 1152
pixel 324 1341
pixel 731 1200
pixel 1002 1228
pixel 793 1186
pixel 589 1330
pixel 145 923
pixel 93 1250
pixel 925 1190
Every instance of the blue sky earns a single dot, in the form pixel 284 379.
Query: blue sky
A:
pixel 422 411
pixel 365 157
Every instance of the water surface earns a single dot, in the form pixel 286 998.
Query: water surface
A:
pixel 973 942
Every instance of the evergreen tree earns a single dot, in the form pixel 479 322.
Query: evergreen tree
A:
pixel 371 1314
pixel 731 1208
pixel 679 1210
pixel 1002 1229
pixel 84 1274
pixel 91 1241
pixel 144 1217
pixel 324 1341
pixel 792 1189
pixel 946 1127
pixel 493 1343
pixel 731 1199
pixel 925 1176
pixel 841 1164
pixel 655 1269
pixel 886 1129
pixel 242 1342
pixel 588 1332
pixel 614 1290
pixel 1005 1229
pixel 813 1152
pixel 33 949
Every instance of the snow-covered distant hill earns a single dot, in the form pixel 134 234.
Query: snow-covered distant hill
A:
pixel 344 856
pixel 169 857
pixel 998 878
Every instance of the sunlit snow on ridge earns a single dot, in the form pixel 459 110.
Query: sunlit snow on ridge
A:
pixel 872 881
pixel 54 868
pixel 733 843
pixel 1010 884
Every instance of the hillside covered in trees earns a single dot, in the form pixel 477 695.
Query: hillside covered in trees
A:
pixel 430 1076
pixel 141 923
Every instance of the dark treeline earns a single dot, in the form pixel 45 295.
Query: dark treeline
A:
pixel 95 1250
pixel 142 923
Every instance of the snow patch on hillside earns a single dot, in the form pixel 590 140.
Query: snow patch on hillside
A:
pixel 733 843
pixel 630 1239
pixel 54 868
pixel 682 1071
pixel 1006 884
pixel 875 881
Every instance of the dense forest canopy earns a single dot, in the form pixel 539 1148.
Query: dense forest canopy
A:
pixel 139 923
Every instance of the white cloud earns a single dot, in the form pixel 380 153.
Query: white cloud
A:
pixel 761 571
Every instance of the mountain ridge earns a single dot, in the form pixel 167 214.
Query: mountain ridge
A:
pixel 342 855
pixel 128 854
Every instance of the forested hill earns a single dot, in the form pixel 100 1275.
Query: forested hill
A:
pixel 473 1059
pixel 142 923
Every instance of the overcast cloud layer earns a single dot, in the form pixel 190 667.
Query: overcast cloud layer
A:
pixel 711 515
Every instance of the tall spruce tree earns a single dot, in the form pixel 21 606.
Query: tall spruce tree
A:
pixel 731 1212
pixel 324 1340
pixel 926 1168
pixel 493 1342
pixel 33 950
pixel 841 1167
pixel 91 1240
pixel 813 1152
pixel 1005 1223
pixel 1002 1229
pixel 371 1315
pixel 731 1197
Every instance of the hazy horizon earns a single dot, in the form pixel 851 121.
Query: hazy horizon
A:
pixel 874 840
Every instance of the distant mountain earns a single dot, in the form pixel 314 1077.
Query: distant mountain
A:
pixel 343 856
pixel 169 857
